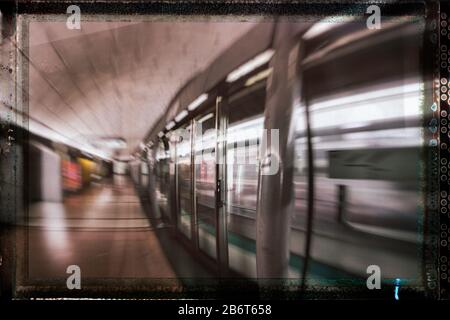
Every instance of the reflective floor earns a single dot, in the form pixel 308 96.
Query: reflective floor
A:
pixel 105 231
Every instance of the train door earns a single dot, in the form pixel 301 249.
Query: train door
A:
pixel 184 179
pixel 242 124
pixel 226 163
pixel 205 140
pixel 162 179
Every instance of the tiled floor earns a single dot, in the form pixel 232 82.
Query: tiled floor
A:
pixel 103 230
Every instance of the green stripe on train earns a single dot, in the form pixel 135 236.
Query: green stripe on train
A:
pixel 318 270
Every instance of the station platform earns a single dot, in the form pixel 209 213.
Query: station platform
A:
pixel 107 233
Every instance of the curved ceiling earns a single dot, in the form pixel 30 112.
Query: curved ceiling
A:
pixel 115 79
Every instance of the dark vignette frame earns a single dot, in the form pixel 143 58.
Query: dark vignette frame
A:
pixel 442 84
pixel 224 288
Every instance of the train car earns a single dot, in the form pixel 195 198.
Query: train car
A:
pixel 290 162
pixel 161 189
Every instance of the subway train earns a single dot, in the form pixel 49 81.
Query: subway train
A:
pixel 299 154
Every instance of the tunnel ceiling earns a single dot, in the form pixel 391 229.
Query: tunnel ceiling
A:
pixel 115 79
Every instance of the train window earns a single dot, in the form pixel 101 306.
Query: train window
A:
pixel 184 179
pixel 162 179
pixel 367 143
pixel 245 124
pixel 205 180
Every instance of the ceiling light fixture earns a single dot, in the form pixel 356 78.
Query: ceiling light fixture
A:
pixel 170 125
pixel 110 143
pixel 258 77
pixel 183 114
pixel 207 117
pixel 197 102
pixel 250 65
